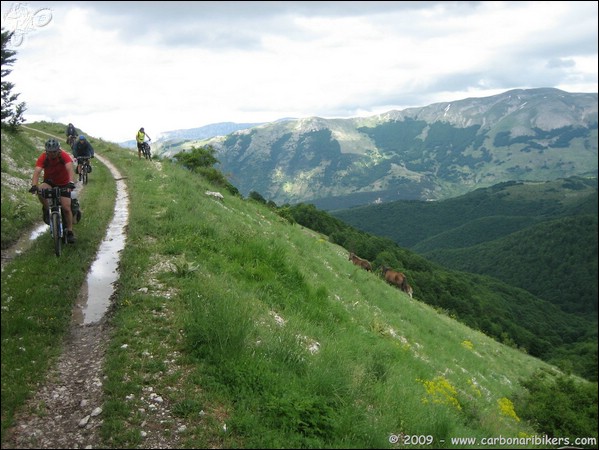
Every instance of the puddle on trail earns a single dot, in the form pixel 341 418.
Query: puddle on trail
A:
pixel 23 244
pixel 94 298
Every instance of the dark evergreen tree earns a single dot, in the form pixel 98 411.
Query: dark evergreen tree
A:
pixel 12 112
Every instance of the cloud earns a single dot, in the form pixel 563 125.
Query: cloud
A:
pixel 111 67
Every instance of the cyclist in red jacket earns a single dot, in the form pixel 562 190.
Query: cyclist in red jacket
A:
pixel 57 166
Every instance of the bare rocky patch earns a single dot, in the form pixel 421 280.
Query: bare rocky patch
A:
pixel 66 412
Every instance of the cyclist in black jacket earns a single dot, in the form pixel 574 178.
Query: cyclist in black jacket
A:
pixel 83 148
pixel 71 134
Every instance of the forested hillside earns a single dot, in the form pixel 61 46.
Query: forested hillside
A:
pixel 505 207
pixel 555 260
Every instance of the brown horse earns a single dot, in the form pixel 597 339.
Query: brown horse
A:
pixel 360 262
pixel 395 278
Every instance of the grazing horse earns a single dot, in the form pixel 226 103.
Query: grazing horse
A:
pixel 360 262
pixel 395 278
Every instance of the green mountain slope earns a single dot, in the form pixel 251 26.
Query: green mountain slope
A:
pixel 429 153
pixel 516 204
pixel 560 258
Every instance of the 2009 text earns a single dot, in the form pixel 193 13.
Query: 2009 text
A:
pixel 411 439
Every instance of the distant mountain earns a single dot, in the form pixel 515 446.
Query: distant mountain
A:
pixel 205 132
pixel 428 153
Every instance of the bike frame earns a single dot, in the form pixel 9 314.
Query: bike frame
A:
pixel 83 168
pixel 57 230
pixel 146 150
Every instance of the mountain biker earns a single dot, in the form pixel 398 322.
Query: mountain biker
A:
pixel 57 166
pixel 140 138
pixel 82 148
pixel 71 134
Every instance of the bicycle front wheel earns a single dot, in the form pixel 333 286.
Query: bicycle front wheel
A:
pixel 56 234
pixel 84 175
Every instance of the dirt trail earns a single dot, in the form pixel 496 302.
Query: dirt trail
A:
pixel 67 409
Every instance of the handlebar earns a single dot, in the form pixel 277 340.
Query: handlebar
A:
pixel 54 192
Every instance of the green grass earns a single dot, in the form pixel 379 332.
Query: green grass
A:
pixel 237 317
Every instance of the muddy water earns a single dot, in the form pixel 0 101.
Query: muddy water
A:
pixel 94 298
pixel 23 244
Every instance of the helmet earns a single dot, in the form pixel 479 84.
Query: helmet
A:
pixel 141 129
pixel 52 145
pixel 82 138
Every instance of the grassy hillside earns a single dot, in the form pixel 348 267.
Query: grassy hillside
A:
pixel 261 334
pixel 509 314
pixel 541 237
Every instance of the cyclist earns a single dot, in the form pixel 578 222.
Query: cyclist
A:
pixel 82 148
pixel 140 138
pixel 57 166
pixel 71 134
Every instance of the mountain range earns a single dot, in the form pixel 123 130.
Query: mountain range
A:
pixel 428 153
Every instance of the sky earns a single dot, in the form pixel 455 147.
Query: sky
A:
pixel 111 67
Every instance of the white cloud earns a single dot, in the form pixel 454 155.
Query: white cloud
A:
pixel 111 67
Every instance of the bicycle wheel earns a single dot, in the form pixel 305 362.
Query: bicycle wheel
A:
pixel 84 174
pixel 56 234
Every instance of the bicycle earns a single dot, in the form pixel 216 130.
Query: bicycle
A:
pixel 83 168
pixel 57 220
pixel 145 149
pixel 71 140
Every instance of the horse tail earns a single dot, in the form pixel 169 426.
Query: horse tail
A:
pixel 404 284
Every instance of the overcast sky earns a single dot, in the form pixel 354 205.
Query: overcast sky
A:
pixel 113 67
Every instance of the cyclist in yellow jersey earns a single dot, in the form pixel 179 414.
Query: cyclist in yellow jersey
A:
pixel 140 138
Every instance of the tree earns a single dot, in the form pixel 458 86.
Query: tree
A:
pixel 11 113
pixel 198 158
